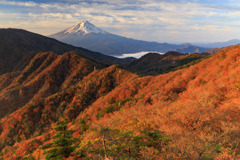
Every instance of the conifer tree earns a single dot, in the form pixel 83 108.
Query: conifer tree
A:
pixel 61 147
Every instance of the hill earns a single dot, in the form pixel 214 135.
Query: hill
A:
pixel 47 73
pixel 213 51
pixel 17 47
pixel 155 64
pixel 86 35
pixel 191 113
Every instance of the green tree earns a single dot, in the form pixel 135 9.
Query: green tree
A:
pixel 62 145
pixel 153 139
pixel 118 144
pixel 111 143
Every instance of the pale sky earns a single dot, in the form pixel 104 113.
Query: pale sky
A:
pixel 172 21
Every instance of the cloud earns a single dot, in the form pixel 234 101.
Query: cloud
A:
pixel 136 55
pixel 154 20
pixel 25 4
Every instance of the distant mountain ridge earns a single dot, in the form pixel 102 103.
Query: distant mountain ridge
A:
pixel 18 46
pixel 218 44
pixel 86 35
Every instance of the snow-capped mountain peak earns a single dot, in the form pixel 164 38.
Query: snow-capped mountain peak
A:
pixel 83 27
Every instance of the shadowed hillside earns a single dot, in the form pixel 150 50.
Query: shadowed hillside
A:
pixel 17 47
pixel 192 113
pixel 155 64
pixel 47 73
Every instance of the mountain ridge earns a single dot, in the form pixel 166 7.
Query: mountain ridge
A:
pixel 111 44
pixel 46 74
pixel 187 110
pixel 219 44
pixel 155 64
pixel 18 46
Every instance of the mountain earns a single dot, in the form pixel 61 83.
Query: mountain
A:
pixel 66 108
pixel 86 35
pixel 46 74
pixel 155 64
pixel 218 44
pixel 188 48
pixel 82 28
pixel 213 51
pixel 18 46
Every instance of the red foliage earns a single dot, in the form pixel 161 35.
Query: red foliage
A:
pixel 194 106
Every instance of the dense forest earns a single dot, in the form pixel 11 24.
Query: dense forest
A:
pixel 69 107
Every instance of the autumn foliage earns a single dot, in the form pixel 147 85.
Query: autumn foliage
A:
pixel 191 113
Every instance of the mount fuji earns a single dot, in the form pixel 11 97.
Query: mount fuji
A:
pixel 82 28
pixel 86 35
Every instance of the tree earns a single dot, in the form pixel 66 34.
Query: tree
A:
pixel 61 147
pixel 119 144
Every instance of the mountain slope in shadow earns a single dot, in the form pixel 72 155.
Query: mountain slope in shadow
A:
pixel 17 47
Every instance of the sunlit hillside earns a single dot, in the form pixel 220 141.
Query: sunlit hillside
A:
pixel 191 113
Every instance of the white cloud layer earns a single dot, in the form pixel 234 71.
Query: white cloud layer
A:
pixel 152 20
pixel 136 55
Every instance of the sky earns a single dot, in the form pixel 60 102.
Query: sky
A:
pixel 171 21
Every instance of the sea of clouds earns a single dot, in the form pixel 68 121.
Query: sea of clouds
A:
pixel 136 55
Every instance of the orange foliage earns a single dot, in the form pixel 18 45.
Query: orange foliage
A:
pixel 198 107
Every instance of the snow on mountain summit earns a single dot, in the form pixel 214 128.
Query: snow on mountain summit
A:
pixel 83 27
